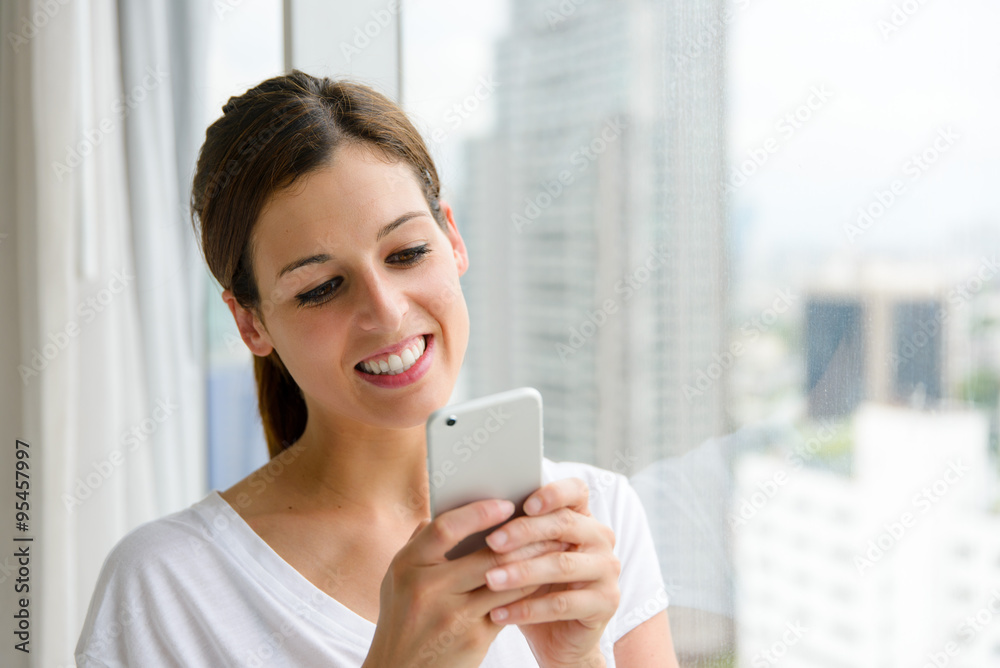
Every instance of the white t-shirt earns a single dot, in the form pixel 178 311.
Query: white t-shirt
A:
pixel 200 588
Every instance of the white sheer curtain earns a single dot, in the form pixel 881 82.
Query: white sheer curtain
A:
pixel 98 144
pixel 161 47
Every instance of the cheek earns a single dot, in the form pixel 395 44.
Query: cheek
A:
pixel 446 303
pixel 308 346
pixel 442 294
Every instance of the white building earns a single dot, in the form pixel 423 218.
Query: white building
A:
pixel 864 569
pixel 970 593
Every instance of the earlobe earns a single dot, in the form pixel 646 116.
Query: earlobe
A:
pixel 457 244
pixel 251 329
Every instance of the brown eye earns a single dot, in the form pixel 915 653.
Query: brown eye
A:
pixel 320 294
pixel 411 256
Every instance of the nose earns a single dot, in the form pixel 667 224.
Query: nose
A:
pixel 382 303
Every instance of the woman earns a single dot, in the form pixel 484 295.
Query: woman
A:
pixel 320 216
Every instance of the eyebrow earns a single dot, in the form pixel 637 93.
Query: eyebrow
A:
pixel 320 258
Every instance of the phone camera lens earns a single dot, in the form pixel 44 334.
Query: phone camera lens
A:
pixel 451 421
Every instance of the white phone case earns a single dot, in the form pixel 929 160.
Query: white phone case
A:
pixel 486 448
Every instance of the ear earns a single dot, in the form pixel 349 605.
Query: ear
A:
pixel 457 244
pixel 251 328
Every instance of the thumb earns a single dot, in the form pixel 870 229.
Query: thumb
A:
pixel 424 522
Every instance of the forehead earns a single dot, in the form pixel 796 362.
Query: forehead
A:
pixel 342 203
pixel 356 180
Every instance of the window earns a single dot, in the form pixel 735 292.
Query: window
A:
pixel 823 326
pixel 246 48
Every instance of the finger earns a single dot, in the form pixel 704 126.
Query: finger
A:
pixel 480 602
pixel 570 493
pixel 590 607
pixel 530 551
pixel 560 567
pixel 450 528
pixel 423 523
pixel 466 615
pixel 469 572
pixel 563 525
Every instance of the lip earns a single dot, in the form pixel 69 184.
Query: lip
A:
pixel 408 377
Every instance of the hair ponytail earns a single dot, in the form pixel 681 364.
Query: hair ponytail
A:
pixel 282 409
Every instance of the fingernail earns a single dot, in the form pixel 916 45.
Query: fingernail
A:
pixel 506 507
pixel 497 539
pixel 497 577
pixel 498 614
pixel 533 505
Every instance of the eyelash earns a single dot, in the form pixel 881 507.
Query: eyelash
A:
pixel 325 292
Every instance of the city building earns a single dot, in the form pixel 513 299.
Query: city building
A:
pixel 877 333
pixel 877 568
pixel 594 218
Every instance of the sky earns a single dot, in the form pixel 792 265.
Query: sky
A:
pixel 891 93
pixel 891 82
pixel 448 48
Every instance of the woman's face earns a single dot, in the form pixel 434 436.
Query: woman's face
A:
pixel 360 293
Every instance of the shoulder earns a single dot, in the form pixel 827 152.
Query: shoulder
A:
pixel 166 540
pixel 170 557
pixel 150 568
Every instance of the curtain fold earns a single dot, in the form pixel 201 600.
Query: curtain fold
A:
pixel 94 487
pixel 109 355
pixel 160 154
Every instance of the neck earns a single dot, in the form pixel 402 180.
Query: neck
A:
pixel 378 472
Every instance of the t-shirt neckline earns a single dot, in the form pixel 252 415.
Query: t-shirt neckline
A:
pixel 279 575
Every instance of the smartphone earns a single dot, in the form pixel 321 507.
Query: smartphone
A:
pixel 487 448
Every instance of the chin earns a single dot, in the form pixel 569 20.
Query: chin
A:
pixel 399 411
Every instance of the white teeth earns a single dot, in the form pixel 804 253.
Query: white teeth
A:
pixel 396 364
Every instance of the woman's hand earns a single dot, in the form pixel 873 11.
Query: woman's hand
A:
pixel 578 588
pixel 435 612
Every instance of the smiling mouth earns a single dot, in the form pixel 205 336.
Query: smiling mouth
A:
pixel 391 365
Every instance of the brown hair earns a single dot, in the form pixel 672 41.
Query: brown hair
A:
pixel 266 138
